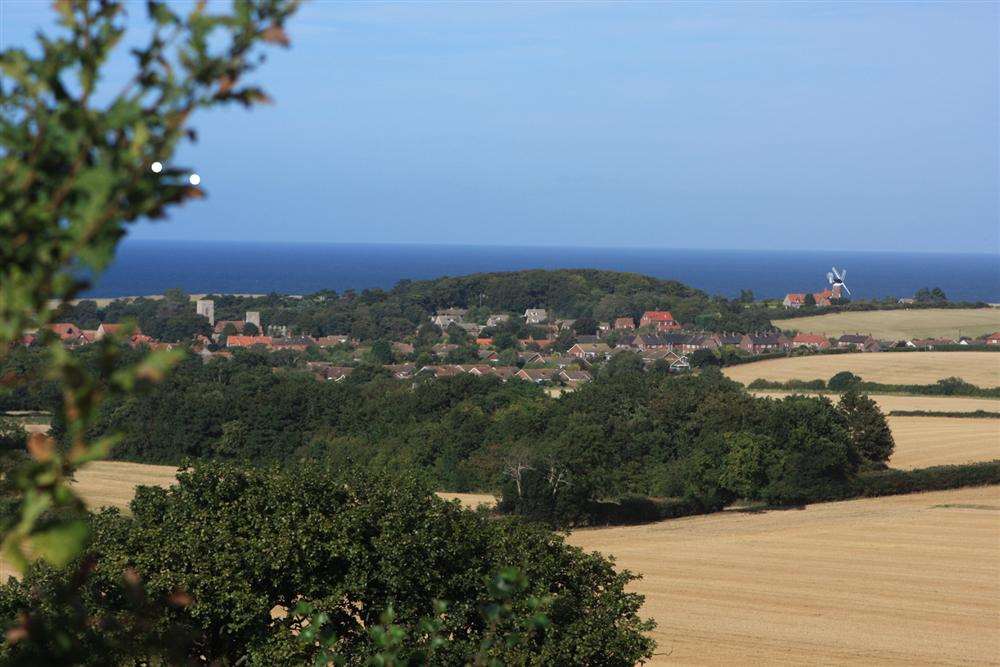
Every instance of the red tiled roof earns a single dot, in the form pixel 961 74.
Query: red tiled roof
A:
pixel 658 316
pixel 247 341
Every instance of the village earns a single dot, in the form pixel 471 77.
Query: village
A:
pixel 560 356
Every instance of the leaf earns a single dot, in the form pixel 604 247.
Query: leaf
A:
pixel 275 34
pixel 41 447
pixel 60 542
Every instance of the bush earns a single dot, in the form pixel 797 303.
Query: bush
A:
pixel 236 543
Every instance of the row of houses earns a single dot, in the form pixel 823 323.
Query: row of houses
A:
pixel 73 336
pixel 569 377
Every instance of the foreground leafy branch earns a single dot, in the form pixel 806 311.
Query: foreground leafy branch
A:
pixel 74 174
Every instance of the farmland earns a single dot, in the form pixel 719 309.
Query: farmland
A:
pixel 112 484
pixel 900 324
pixel 979 368
pixel 897 580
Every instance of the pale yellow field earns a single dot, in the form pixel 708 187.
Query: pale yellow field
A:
pixel 112 484
pixel 901 324
pixel 931 441
pixel 979 368
pixel 901 580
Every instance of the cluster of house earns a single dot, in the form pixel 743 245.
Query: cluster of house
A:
pixel 820 299
pixel 561 375
pixel 73 336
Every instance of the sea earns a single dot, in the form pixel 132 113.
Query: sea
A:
pixel 145 267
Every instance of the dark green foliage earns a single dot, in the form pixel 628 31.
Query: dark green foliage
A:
pixel 975 414
pixel 843 381
pixel 869 430
pixel 234 543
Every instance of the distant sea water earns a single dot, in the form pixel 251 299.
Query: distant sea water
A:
pixel 150 267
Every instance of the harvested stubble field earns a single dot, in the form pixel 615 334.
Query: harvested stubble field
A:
pixel 909 579
pixel 979 368
pixel 900 324
pixel 112 484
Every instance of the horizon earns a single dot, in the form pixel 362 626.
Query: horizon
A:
pixel 559 246
pixel 739 125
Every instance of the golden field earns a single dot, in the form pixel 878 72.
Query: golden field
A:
pixel 930 441
pixel 112 484
pixel 979 368
pixel 890 402
pixel 909 579
pixel 901 324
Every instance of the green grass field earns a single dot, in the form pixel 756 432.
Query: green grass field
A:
pixel 898 324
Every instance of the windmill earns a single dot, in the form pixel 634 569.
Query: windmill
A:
pixel 837 281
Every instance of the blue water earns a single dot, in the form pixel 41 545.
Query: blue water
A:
pixel 150 267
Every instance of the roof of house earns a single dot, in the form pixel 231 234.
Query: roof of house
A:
pixel 596 348
pixel 852 338
pixel 624 321
pixel 247 341
pixel 658 316
pixel 536 312
pixel 222 324
pixel 576 376
pixel 809 339
pixel 795 297
pixel 765 338
pixel 538 374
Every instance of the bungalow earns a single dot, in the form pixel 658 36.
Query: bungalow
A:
pixel 760 343
pixel 530 357
pixel 503 372
pixel 624 323
pixel 477 369
pixel 535 315
pixel 993 339
pixel 625 341
pixel 590 350
pixel 661 320
pixel 248 341
pixel 441 371
pixel 537 375
pixel 674 361
pixel 812 341
pixel 573 378
pixel 488 355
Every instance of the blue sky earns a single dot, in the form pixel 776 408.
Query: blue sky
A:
pixel 855 126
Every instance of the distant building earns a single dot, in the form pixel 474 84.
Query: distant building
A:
pixel 624 323
pixel 443 321
pixel 496 320
pixel 535 315
pixel 661 320
pixel 760 343
pixel 278 330
pixel 855 342
pixel 813 341
pixel 993 339
pixel 538 375
pixel 248 341
pixel 253 317
pixel 206 308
